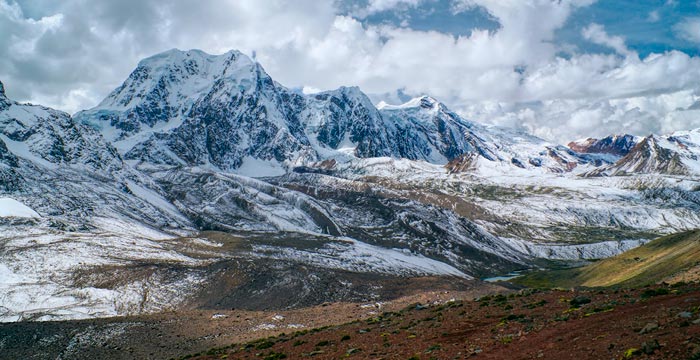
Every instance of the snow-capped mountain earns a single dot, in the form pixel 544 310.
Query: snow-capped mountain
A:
pixel 67 171
pixel 98 217
pixel 190 108
pixel 478 146
pixel 675 154
pixel 194 109
pixel 616 145
pixel 150 117
pixel 148 202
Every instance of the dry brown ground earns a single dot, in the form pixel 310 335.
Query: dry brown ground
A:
pixel 174 334
pixel 616 324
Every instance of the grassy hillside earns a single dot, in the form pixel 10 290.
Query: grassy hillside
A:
pixel 669 258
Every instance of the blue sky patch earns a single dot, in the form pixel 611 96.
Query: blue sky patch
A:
pixel 647 26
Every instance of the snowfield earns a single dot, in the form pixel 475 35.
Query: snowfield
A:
pixel 43 273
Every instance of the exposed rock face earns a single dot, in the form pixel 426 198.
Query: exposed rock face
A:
pixel 346 119
pixel 4 101
pixel 10 180
pixel 6 157
pixel 650 157
pixel 429 128
pixel 462 163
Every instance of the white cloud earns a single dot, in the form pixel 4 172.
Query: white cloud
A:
pixel 568 119
pixel 689 29
pixel 90 47
pixel 596 95
pixel 81 49
pixel 596 34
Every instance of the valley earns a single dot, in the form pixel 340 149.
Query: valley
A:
pixel 201 194
pixel 669 259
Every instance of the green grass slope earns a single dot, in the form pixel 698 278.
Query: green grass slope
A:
pixel 669 258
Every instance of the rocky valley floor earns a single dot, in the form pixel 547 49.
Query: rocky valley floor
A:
pixel 178 333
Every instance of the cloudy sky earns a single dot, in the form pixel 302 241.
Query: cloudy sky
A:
pixel 560 69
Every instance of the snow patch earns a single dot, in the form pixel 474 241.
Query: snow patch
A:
pixel 357 256
pixel 22 150
pixel 13 208
pixel 253 167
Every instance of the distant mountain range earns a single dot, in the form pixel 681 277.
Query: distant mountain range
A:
pixel 199 167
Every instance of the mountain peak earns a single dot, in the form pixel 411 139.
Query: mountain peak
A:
pixel 428 102
pixel 175 55
pixel 351 90
pixel 166 85
pixel 178 64
pixel 424 102
pixel 2 90
pixel 618 145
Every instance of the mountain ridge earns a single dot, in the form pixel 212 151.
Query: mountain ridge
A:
pixel 675 154
pixel 242 103
pixel 189 109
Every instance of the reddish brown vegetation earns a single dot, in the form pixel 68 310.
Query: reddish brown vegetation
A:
pixel 649 323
